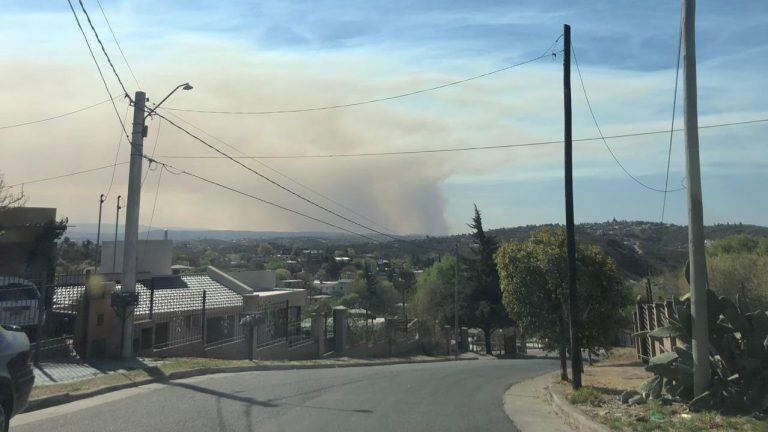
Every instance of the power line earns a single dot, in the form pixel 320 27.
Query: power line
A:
pixel 58 116
pixel 674 109
pixel 67 174
pixel 117 153
pixel 118 44
pixel 103 80
pixel 339 204
pixel 600 132
pixel 738 123
pixel 291 191
pixel 98 39
pixel 547 53
pixel 472 148
pixel 154 149
pixel 254 197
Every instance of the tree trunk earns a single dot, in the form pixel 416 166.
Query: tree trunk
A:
pixel 487 334
pixel 563 364
pixel 562 350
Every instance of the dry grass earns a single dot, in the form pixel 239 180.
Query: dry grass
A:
pixel 605 381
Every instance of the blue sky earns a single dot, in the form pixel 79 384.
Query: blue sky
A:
pixel 274 55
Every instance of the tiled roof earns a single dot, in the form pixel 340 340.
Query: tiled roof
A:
pixel 172 294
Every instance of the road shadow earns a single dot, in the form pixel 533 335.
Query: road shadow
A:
pixel 266 403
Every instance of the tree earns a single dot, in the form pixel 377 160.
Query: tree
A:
pixel 486 310
pixel 739 265
pixel 8 198
pixel 376 294
pixel 265 250
pixel 534 285
pixel 433 300
pixel 282 274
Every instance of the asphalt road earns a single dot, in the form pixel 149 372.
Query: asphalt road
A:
pixel 451 396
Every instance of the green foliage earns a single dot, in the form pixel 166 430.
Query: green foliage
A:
pixel 273 265
pixel 534 286
pixel 376 294
pixel 739 244
pixel 282 274
pixel 483 306
pixel 434 295
pixel 586 396
pixel 738 346
pixel 265 249
pixel 740 273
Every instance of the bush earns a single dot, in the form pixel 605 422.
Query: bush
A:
pixel 586 396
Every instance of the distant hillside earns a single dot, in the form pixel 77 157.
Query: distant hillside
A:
pixel 634 245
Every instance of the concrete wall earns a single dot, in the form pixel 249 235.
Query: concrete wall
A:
pixel 152 257
pixel 257 280
pixel 281 351
pixel 237 350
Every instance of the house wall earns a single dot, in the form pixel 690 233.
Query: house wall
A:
pixel 237 350
pixel 152 257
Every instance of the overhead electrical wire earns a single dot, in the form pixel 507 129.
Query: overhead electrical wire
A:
pixel 546 53
pixel 114 37
pixel 293 180
pixel 58 116
pixel 666 131
pixel 674 110
pixel 117 153
pixel 472 148
pixel 70 174
pixel 605 142
pixel 103 50
pixel 275 183
pixel 103 80
pixel 179 171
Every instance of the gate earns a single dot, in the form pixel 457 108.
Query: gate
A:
pixel 48 308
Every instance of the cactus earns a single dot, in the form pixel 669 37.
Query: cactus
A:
pixel 738 346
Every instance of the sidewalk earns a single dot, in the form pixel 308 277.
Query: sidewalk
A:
pixel 526 405
pixel 74 369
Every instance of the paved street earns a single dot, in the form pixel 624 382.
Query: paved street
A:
pixel 461 396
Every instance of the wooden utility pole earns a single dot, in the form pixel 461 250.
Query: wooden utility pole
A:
pixel 696 254
pixel 570 230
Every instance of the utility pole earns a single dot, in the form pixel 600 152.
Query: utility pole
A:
pixel 570 230
pixel 128 291
pixel 696 254
pixel 456 302
pixel 117 224
pixel 102 198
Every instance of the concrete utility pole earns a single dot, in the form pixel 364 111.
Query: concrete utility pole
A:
pixel 117 224
pixel 456 302
pixel 570 230
pixel 132 215
pixel 696 254
pixel 102 198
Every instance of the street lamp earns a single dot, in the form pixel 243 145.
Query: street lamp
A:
pixel 185 86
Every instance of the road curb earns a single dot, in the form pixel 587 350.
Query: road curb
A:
pixel 572 415
pixel 63 398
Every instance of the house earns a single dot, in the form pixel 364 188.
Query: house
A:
pixel 184 314
pixel 337 288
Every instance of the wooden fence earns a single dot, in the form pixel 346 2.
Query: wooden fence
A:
pixel 646 318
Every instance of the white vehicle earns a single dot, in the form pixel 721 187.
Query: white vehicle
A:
pixel 19 302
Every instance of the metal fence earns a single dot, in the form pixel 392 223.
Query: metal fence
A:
pixel 366 328
pixel 46 307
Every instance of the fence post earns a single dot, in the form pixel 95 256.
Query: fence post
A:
pixel 39 331
pixel 152 300
pixel 287 330
pixel 204 322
